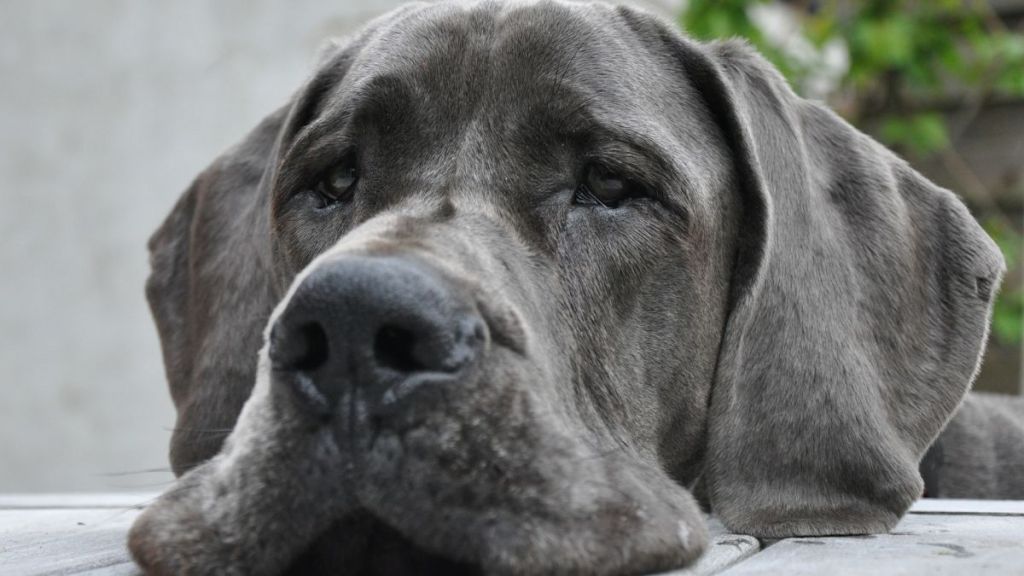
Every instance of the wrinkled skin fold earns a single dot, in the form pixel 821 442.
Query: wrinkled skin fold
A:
pixel 780 309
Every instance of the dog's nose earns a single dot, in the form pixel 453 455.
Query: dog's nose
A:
pixel 385 325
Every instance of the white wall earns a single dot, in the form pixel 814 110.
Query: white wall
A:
pixel 107 110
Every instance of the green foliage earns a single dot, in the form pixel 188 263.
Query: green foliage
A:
pixel 904 57
pixel 1008 313
pixel 728 18
pixel 1008 317
pixel 921 133
pixel 910 47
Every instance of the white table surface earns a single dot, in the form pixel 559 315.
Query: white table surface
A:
pixel 85 534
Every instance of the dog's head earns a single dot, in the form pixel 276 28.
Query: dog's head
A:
pixel 525 273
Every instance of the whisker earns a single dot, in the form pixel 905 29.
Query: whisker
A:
pixel 200 430
pixel 121 511
pixel 163 484
pixel 133 472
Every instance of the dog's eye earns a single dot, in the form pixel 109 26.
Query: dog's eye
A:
pixel 338 184
pixel 602 187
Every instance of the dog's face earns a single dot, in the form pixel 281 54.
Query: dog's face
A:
pixel 506 260
pixel 510 172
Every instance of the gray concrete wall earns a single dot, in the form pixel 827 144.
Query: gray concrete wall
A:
pixel 107 110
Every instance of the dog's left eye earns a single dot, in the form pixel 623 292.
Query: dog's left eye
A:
pixel 339 182
pixel 602 187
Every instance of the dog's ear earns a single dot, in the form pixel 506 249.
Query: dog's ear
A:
pixel 215 272
pixel 859 305
pixel 210 292
pixel 215 276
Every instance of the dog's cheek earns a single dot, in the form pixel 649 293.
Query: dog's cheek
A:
pixel 273 489
pixel 171 536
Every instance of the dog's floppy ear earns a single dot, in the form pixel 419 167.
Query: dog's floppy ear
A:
pixel 860 302
pixel 215 272
pixel 210 292
pixel 214 277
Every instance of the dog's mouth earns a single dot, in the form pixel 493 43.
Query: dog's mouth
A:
pixel 654 529
pixel 363 544
pixel 468 492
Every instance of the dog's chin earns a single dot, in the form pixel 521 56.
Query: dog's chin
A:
pixel 461 492
pixel 363 544
pixel 643 526
pixel 197 528
pixel 359 544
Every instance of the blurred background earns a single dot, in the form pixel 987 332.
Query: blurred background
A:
pixel 108 108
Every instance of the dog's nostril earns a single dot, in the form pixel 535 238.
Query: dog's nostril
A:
pixel 394 347
pixel 314 341
pixel 304 348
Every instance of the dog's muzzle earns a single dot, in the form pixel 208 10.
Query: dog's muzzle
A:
pixel 410 416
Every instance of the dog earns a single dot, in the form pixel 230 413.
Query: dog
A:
pixel 980 453
pixel 502 282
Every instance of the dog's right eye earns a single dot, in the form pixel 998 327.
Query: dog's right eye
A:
pixel 604 187
pixel 339 183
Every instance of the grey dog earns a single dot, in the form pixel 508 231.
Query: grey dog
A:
pixel 503 281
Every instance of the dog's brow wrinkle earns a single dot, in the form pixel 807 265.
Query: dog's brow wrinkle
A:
pixel 325 124
pixel 375 91
pixel 590 124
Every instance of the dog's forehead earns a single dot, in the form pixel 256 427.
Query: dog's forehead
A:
pixel 487 78
pixel 506 57
pixel 437 41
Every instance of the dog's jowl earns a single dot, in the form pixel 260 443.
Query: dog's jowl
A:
pixel 503 282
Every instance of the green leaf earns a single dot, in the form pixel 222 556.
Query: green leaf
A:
pixel 1008 318
pixel 922 134
pixel 886 42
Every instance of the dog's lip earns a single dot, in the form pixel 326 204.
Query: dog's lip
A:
pixel 506 542
pixel 557 509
